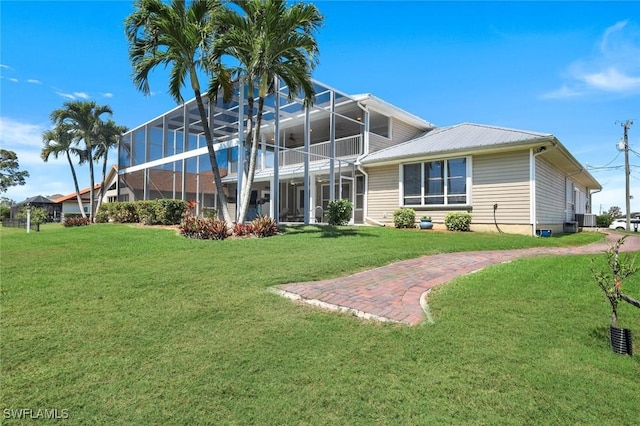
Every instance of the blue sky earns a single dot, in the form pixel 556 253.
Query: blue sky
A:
pixel 567 68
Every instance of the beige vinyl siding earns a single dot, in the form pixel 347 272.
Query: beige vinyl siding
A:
pixel 550 193
pixel 501 179
pixel 400 132
pixel 382 194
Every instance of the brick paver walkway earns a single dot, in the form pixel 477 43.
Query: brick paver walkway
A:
pixel 394 292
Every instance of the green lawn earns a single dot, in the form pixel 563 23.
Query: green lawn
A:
pixel 126 325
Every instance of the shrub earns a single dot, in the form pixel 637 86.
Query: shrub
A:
pixel 37 215
pixel 169 211
pixel 122 212
pixel 76 221
pixel 241 229
pixel 209 212
pixel 458 221
pixel 604 220
pixel 102 215
pixel 217 229
pixel 162 211
pixel 339 212
pixel 404 218
pixel 264 226
pixel 5 212
pixel 202 228
pixel 146 212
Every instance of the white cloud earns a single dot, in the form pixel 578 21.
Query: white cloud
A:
pixel 612 80
pixel 13 80
pixel 34 81
pixel 604 44
pixel 66 95
pixel 81 95
pixel 615 68
pixel 563 92
pixel 108 95
pixel 15 134
pixel 73 96
pixel 53 177
pixel 6 67
pixel 25 139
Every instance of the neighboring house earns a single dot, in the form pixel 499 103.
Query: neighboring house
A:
pixel 368 151
pixel 50 206
pixel 69 203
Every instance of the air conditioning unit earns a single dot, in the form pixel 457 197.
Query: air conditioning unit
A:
pixel 586 220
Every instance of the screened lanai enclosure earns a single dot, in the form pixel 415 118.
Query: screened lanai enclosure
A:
pixel 307 154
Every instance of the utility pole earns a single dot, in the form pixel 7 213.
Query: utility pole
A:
pixel 626 126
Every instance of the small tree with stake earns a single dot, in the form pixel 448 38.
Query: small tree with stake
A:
pixel 620 267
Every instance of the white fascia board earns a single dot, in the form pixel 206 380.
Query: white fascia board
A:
pixel 182 156
pixel 391 110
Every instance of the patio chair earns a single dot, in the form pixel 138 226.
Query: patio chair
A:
pixel 319 214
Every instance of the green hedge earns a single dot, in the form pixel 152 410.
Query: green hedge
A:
pixel 151 212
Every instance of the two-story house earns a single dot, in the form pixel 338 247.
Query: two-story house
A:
pixel 360 148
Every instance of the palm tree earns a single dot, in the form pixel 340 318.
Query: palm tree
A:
pixel 270 40
pixel 60 140
pixel 84 118
pixel 177 35
pixel 108 137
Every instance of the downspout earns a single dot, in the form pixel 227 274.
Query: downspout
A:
pixel 532 175
pixel 366 194
pixel 365 151
pixel 591 200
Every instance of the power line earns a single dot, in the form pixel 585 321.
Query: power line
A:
pixel 606 165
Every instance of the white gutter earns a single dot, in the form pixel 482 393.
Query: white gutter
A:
pixel 532 177
pixel 591 200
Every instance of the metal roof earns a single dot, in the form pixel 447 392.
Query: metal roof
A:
pixel 469 138
pixel 296 170
pixel 465 136
pixel 382 106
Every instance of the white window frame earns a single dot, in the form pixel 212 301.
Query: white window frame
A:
pixel 401 197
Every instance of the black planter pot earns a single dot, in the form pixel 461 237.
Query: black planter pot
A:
pixel 621 340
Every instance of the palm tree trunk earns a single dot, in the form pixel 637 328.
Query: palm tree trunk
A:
pixel 254 134
pixel 91 180
pixel 104 177
pixel 75 184
pixel 221 196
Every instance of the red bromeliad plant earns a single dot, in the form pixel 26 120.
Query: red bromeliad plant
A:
pixel 242 230
pixel 264 226
pixel 203 228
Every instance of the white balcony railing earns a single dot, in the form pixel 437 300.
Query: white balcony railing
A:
pixel 345 147
pixel 350 146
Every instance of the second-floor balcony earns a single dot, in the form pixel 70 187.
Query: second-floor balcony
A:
pixel 346 147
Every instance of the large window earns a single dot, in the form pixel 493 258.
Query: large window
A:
pixel 435 183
